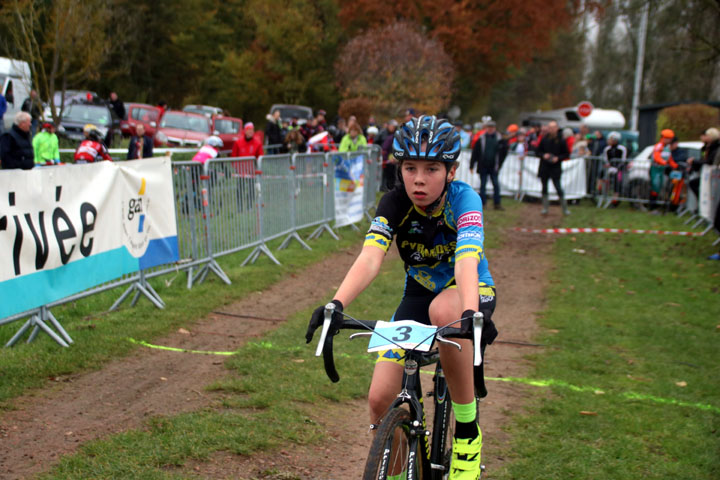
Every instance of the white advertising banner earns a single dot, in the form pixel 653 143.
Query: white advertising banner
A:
pixel 709 191
pixel 520 175
pixel 67 228
pixel 349 184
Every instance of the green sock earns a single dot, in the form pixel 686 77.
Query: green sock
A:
pixel 465 412
pixel 465 420
pixel 401 476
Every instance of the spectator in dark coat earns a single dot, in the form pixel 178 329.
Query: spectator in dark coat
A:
pixel 16 149
pixel 273 129
pixel 552 151
pixel 389 166
pixel 117 105
pixel 33 106
pixel 487 157
pixel 141 146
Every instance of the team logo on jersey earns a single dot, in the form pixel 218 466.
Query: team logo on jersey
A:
pixel 415 227
pixel 380 226
pixel 470 219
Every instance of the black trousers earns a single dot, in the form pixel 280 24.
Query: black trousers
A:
pixel 556 182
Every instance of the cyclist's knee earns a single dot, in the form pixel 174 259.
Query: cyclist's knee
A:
pixel 379 402
pixel 441 314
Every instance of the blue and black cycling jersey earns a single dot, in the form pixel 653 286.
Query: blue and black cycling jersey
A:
pixel 430 246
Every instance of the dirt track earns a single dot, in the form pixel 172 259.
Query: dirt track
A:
pixel 56 420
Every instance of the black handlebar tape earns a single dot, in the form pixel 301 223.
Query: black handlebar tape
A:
pixel 479 377
pixel 328 359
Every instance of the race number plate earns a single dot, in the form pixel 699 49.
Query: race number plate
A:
pixel 406 334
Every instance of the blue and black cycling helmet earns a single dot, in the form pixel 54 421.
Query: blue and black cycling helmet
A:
pixel 443 141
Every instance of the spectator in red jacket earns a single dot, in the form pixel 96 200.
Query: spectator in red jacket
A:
pixel 248 145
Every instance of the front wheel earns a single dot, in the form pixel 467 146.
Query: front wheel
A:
pixel 391 450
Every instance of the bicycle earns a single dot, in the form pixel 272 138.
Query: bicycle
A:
pixel 402 441
pixel 674 191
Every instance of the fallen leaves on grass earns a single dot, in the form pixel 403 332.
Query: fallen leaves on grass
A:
pixel 681 384
pixel 589 413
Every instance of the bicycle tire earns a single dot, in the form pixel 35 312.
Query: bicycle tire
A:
pixel 385 456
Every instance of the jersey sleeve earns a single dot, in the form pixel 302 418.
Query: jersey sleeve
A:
pixel 384 225
pixel 469 220
pixel 657 154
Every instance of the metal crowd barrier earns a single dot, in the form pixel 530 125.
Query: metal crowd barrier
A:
pixel 222 207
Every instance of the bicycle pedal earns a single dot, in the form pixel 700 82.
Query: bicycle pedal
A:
pixel 373 426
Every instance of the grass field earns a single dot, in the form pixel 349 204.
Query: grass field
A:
pixel 633 326
pixel 627 390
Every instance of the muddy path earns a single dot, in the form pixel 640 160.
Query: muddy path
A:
pixel 54 421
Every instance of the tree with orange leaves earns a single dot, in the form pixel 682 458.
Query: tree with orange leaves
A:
pixel 393 68
pixel 483 38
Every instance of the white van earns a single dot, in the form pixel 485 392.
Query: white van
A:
pixel 14 85
pixel 599 118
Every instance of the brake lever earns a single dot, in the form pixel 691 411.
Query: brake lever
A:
pixel 478 319
pixel 329 310
pixel 442 339
pixel 361 334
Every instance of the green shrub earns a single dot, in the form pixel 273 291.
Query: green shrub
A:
pixel 687 121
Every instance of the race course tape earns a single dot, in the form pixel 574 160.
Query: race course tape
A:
pixel 527 381
pixel 627 395
pixel 562 231
pixel 174 349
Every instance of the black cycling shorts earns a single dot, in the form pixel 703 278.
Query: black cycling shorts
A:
pixel 415 305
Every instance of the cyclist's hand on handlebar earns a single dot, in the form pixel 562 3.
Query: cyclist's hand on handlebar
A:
pixel 318 317
pixel 489 332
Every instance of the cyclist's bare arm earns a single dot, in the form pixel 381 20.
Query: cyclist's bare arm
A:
pixel 466 278
pixel 361 274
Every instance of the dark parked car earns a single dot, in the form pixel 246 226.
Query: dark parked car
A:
pixel 77 115
pixel 288 112
pixel 206 110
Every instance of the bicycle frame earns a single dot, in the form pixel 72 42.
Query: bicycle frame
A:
pixel 411 395
pixel 431 459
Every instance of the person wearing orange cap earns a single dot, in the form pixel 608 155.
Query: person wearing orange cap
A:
pixel 512 133
pixel 659 163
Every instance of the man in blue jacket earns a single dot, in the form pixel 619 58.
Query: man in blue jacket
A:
pixel 3 109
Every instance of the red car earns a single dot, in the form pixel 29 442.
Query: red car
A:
pixel 228 129
pixel 136 113
pixel 182 129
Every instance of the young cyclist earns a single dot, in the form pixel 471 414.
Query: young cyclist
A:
pixel 437 225
pixel 92 148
